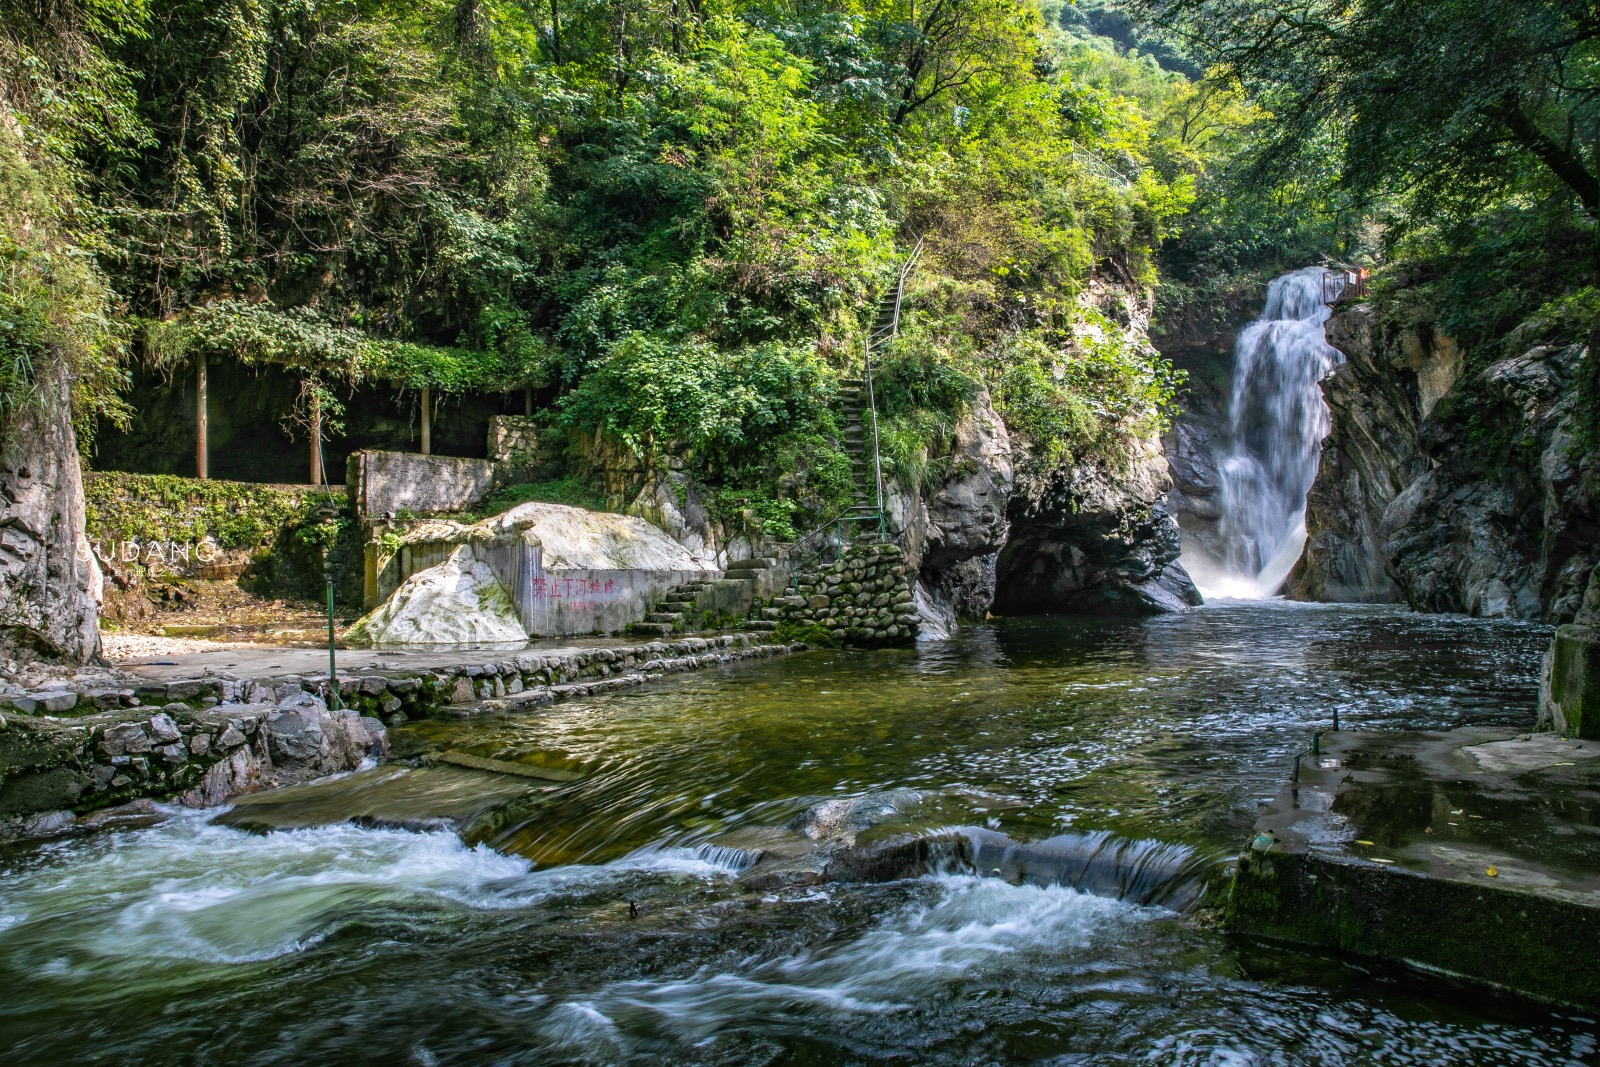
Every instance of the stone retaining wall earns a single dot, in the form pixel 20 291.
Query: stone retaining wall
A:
pixel 201 741
pixel 863 598
pixel 198 757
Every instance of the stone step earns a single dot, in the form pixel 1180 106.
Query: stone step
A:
pixel 679 606
pixel 659 629
pixel 664 616
pixel 497 766
pixel 760 624
pixel 758 563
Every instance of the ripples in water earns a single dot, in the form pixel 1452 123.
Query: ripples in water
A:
pixel 1103 768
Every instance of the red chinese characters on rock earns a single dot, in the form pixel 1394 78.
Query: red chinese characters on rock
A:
pixel 568 591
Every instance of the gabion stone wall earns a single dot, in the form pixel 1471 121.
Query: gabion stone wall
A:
pixel 862 599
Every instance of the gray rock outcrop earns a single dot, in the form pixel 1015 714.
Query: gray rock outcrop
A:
pixel 1507 520
pixel 50 584
pixel 954 530
pixel 1373 452
pixel 1086 538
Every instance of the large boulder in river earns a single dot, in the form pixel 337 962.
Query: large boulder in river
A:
pixel 457 602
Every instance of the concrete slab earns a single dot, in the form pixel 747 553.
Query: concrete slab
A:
pixel 470 802
pixel 1473 851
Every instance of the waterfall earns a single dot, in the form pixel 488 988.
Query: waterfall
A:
pixel 1277 419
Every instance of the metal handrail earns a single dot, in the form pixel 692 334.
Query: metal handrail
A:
pixel 872 399
pixel 836 524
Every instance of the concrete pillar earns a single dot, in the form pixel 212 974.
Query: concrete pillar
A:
pixel 1569 698
pixel 316 440
pixel 427 421
pixel 201 449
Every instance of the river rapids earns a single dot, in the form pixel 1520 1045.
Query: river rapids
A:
pixel 1101 774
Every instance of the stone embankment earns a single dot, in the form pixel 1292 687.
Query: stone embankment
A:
pixel 1435 850
pixel 201 741
pixel 863 598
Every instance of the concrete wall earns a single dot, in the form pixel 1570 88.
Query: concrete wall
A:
pixel 559 602
pixel 385 482
pixel 1569 696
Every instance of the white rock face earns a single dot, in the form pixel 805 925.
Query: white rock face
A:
pixel 577 539
pixel 459 601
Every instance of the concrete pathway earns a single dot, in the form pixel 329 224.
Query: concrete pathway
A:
pixel 256 661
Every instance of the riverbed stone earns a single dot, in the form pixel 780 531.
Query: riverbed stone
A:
pixel 163 729
pixel 125 738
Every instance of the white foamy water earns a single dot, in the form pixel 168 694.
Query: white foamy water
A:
pixel 190 890
pixel 974 927
pixel 1277 420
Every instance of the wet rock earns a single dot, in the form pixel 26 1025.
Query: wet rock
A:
pixel 235 776
pixel 841 818
pixel 1087 539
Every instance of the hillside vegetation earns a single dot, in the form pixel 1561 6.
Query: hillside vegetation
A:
pixel 669 219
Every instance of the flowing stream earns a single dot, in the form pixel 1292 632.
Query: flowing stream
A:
pixel 1127 759
pixel 1277 419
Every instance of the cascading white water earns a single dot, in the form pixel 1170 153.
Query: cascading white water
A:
pixel 1277 420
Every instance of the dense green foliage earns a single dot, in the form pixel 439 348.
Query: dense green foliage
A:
pixel 670 221
pixel 1462 138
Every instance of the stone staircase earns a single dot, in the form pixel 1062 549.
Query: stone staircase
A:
pixel 741 592
pixel 859 447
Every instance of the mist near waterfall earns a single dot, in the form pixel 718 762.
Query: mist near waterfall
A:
pixel 1277 419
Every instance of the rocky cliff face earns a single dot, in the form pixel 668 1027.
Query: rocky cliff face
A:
pixel 1006 532
pixel 1373 452
pixel 953 532
pixel 1087 538
pixel 49 581
pixel 1505 523
pixel 1451 483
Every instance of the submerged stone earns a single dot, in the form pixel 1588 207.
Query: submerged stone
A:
pixel 471 803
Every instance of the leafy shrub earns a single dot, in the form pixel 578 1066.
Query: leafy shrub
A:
pixel 650 391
